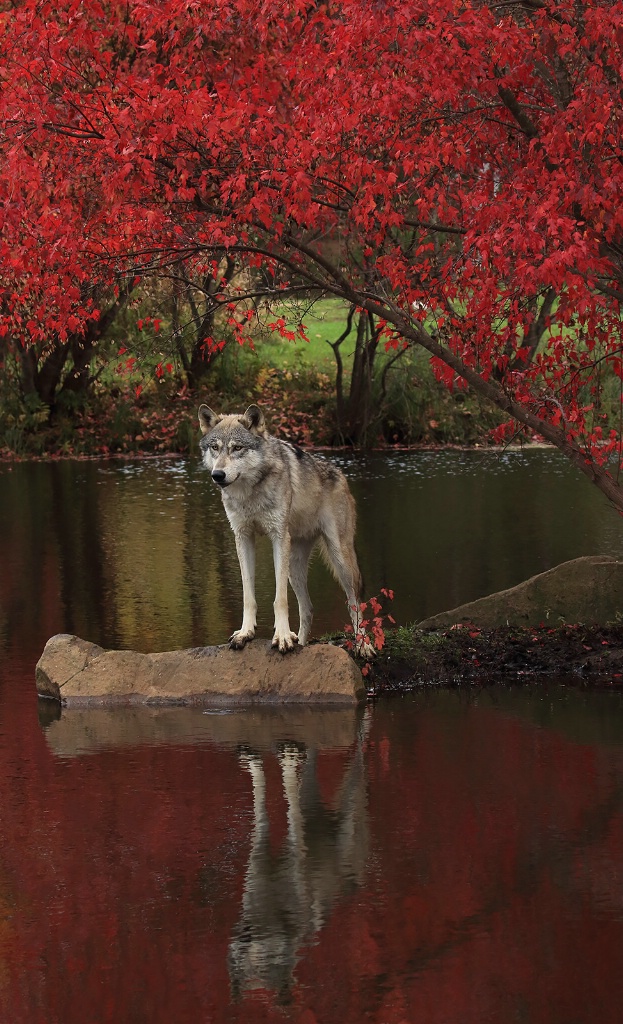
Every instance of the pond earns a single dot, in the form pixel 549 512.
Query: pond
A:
pixel 139 554
pixel 443 856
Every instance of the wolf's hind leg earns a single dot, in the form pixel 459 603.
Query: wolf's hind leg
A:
pixel 245 546
pixel 340 551
pixel 300 552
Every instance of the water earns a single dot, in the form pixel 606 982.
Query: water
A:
pixel 140 555
pixel 447 856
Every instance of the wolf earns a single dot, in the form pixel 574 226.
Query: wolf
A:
pixel 299 500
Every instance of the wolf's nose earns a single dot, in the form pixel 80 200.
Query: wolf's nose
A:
pixel 218 475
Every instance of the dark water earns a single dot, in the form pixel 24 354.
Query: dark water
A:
pixel 140 554
pixel 446 857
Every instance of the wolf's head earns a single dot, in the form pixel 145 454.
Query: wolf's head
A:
pixel 231 444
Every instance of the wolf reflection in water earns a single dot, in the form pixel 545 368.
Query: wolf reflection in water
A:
pixel 289 895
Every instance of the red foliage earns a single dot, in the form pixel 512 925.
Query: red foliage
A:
pixel 371 631
pixel 454 169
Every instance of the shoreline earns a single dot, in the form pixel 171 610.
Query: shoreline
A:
pixel 9 458
pixel 581 654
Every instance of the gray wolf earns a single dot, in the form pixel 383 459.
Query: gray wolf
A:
pixel 272 487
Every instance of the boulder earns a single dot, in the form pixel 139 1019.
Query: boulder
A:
pixel 76 672
pixel 587 590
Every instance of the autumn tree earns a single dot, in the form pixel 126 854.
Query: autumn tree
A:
pixel 60 368
pixel 453 171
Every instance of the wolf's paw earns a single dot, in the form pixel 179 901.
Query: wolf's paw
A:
pixel 238 639
pixel 285 641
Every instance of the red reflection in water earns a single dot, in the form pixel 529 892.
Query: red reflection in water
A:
pixel 491 888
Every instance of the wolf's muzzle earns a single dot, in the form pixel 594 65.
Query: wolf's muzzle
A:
pixel 219 477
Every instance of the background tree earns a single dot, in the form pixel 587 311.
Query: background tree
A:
pixel 356 409
pixel 455 172
pixel 196 301
pixel 61 368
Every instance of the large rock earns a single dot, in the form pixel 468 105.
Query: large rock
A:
pixel 587 590
pixel 77 672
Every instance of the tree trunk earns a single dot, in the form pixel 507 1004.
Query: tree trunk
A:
pixel 354 412
pixel 201 358
pixel 48 375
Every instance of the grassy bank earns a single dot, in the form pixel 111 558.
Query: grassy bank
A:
pixel 140 403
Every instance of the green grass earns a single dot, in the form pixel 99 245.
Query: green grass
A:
pixel 300 375
pixel 324 321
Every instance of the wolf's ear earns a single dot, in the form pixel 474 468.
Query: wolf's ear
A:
pixel 207 418
pixel 253 420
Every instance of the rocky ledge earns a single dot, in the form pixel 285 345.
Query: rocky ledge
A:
pixel 75 672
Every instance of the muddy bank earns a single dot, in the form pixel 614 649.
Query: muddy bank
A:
pixel 565 623
pixel 581 654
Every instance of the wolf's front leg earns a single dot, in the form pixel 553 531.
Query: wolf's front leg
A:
pixel 284 638
pixel 245 546
pixel 300 551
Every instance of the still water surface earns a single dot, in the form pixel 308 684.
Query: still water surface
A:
pixel 443 857
pixel 140 554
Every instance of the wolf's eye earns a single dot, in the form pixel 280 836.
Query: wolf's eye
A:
pixel 235 448
pixel 214 446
